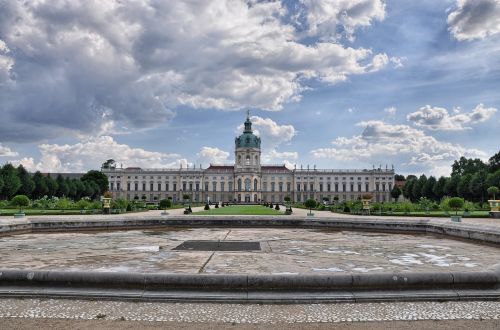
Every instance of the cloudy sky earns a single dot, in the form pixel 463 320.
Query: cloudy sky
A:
pixel 331 83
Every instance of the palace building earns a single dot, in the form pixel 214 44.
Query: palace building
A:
pixel 247 181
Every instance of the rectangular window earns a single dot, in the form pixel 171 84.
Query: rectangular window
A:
pixel 281 186
pixel 343 187
pixel 166 186
pixel 197 186
pixel 190 186
pixel 320 187
pixel 298 186
pixel 214 186
pixel 329 187
pixel 383 186
pixel 288 187
pixel 377 186
pixel 112 185
pixel 336 187
pixel 184 186
pixel 136 186
pixel 159 186
pixel 305 187
pixel 118 186
pixel 352 187
pixel 151 188
pixel 367 187
pixel 272 187
pixel 311 186
pixel 359 186
pixel 206 186
pixel 175 186
pixel 143 186
pixel 222 186
pixel 230 186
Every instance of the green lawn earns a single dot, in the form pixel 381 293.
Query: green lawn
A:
pixel 239 210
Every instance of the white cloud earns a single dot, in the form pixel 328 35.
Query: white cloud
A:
pixel 474 19
pixel 210 155
pixel 436 118
pixel 7 152
pixel 381 142
pixel 270 132
pixel 391 111
pixel 333 19
pixel 93 152
pixel 80 63
pixel 6 63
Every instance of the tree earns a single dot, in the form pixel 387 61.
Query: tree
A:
pixel 89 189
pixel 71 188
pixel 493 179
pixel 399 177
pixel 456 203
pixel 438 189
pixel 395 193
pixel 11 182
pixel 98 178
pixel 451 186
pixel 428 188
pixel 40 185
pixel 21 201
pixel 493 191
pixel 494 163
pixel 1 183
pixel 463 186
pixel 417 188
pixel 411 177
pixel 408 188
pixel 62 187
pixel 310 204
pixel 51 186
pixel 79 188
pixel 165 203
pixel 27 183
pixel 467 166
pixel 477 186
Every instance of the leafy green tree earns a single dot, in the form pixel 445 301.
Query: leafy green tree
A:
pixel 467 166
pixel 477 186
pixel 456 203
pixel 438 189
pixel 71 188
pixel 40 185
pixel 427 189
pixel 399 177
pixel 11 182
pixel 451 186
pixel 89 189
pixel 494 163
pixel 411 177
pixel 408 188
pixel 62 187
pixel 97 177
pixel 310 204
pixel 21 201
pixel 463 187
pixel 27 183
pixel 165 203
pixel 1 183
pixel 493 179
pixel 79 188
pixel 418 187
pixel 51 186
pixel 395 193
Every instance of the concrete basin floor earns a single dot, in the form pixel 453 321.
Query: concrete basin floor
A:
pixel 283 251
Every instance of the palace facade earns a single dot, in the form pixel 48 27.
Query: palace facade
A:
pixel 247 181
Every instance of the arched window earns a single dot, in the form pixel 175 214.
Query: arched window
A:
pixel 247 161
pixel 239 184
pixel 247 184
pixel 255 184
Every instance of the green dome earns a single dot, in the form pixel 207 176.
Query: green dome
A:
pixel 247 139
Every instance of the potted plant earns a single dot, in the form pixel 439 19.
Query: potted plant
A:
pixel 21 201
pixel 456 203
pixel 366 199
pixel 310 204
pixel 494 203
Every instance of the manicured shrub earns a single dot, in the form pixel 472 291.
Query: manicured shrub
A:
pixel 20 201
pixel 310 204
pixel 456 203
pixel 216 205
pixel 277 207
pixel 165 203
pixel 346 209
pixel 270 205
pixel 207 207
